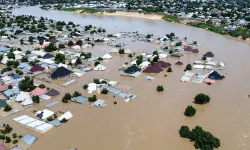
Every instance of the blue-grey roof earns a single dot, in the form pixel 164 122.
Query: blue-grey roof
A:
pixel 51 104
pixel 29 139
pixel 11 92
pixel 55 123
pixel 114 90
pixel 24 65
pixel 80 99
pixel 4 49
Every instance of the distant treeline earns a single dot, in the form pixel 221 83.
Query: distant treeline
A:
pixel 53 1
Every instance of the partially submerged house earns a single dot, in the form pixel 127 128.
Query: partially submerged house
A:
pixel 60 73
pixel 132 69
pixel 215 76
pixel 24 98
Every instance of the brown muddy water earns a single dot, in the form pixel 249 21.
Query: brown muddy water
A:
pixel 152 120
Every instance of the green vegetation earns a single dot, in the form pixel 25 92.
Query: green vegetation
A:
pixel 139 60
pixel 202 99
pixel 208 26
pixel 42 86
pixel 50 48
pixel 104 91
pixel 159 88
pixel 190 111
pixel 203 140
pixel 7 129
pixel 60 58
pixel 76 93
pixel 188 67
pixel 93 98
pixel 7 108
pixel 121 51
pixel 172 18
pixel 15 141
pixel 64 120
pixel 36 99
pixel 85 86
pixel 66 98
pixel 26 84
pixel 169 69
pixel 14 135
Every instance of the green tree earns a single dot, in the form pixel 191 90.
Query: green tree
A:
pixel 79 42
pixel 7 108
pixel 190 111
pixel 169 69
pixel 93 98
pixel 184 132
pixel 7 139
pixel 85 86
pixel 76 93
pixel 14 135
pixel 15 141
pixel 70 43
pixel 60 58
pixel 97 63
pixel 159 88
pixel 188 67
pixel 50 48
pixel 61 46
pixel 42 86
pixel 36 99
pixel 121 51
pixel 64 120
pixel 201 99
pixel 26 84
pixel 104 91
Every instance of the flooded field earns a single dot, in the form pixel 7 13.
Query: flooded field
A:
pixel 152 119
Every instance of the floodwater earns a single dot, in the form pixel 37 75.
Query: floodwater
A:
pixel 152 120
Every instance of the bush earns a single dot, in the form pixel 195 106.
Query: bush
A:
pixel 189 67
pixel 203 139
pixel 14 135
pixel 67 96
pixel 63 120
pixel 7 139
pixel 201 99
pixel 7 108
pixel 204 58
pixel 65 100
pixel 36 99
pixel 42 86
pixel 100 58
pixel 15 141
pixel 160 88
pixel 20 136
pixel 85 86
pixel 10 87
pixel 97 81
pixel 76 93
pixel 121 51
pixel 97 63
pixel 169 69
pixel 190 111
pixel 130 55
pixel 51 118
pixel 115 102
pixel 92 99
pixel 104 91
pixel 184 132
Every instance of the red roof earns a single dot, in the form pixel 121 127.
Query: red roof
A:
pixel 191 49
pixel 179 63
pixel 162 64
pixel 3 87
pixel 153 69
pixel 36 68
pixel 38 91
